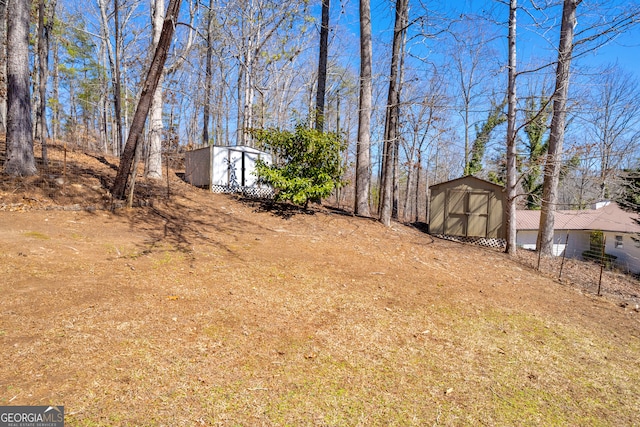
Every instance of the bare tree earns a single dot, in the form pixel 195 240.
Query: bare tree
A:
pixel 151 83
pixel 363 147
pixel 392 116
pixel 511 134
pixel 468 55
pixel 20 159
pixel 601 23
pixel 114 64
pixel 55 90
pixel 612 124
pixel 45 25
pixel 156 127
pixel 556 139
pixel 421 114
pixel 208 78
pixel 258 23
pixel 154 155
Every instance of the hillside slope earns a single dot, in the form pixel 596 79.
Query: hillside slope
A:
pixel 205 309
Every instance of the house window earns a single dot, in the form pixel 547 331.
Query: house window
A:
pixel 619 243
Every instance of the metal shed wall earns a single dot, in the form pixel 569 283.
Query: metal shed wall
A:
pixel 467 207
pixel 223 168
pixel 198 167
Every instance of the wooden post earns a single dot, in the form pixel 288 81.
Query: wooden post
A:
pixel 64 168
pixel 564 256
pixel 604 244
pixel 166 155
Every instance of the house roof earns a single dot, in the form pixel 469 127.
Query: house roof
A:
pixel 608 218
pixel 468 178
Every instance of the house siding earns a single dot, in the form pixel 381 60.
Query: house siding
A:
pixel 628 256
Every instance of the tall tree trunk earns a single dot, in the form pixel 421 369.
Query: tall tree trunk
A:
pixel 396 167
pixel 117 78
pixel 156 128
pixel 154 155
pixel 466 138
pixel 222 114
pixel 240 115
pixel 103 102
pixel 208 78
pixel 45 25
pixel 391 134
pixel 73 113
pixel 55 107
pixel 511 134
pixel 554 155
pixel 3 66
pixel 115 75
pixel 20 159
pixel 246 85
pixel 249 93
pixel 124 98
pixel 149 88
pixel 42 82
pixel 417 192
pixel 35 96
pixel 322 65
pixel 406 205
pixel 396 145
pixel 102 123
pixel 363 147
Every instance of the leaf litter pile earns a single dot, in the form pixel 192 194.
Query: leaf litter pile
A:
pixel 206 309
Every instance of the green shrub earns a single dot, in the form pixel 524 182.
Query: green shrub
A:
pixel 307 164
pixel 596 244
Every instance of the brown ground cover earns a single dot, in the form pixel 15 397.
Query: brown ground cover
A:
pixel 205 309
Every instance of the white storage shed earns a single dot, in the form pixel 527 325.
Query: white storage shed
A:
pixel 226 169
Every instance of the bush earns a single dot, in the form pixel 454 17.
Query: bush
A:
pixel 596 243
pixel 307 164
pixel 597 258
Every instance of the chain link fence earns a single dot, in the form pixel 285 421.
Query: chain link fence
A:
pixel 597 276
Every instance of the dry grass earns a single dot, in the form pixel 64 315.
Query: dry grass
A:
pixel 205 310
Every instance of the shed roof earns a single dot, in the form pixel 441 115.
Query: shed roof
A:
pixel 468 178
pixel 608 218
pixel 244 148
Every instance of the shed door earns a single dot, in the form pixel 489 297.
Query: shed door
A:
pixel 249 169
pixel 467 213
pixel 477 214
pixel 235 168
pixel 456 219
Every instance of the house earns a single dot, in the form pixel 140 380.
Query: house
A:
pixel 469 209
pixel 618 226
pixel 226 169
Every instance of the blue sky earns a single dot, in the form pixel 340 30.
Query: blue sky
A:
pixel 535 46
pixel 625 50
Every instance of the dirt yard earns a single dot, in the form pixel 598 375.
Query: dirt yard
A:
pixel 205 309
